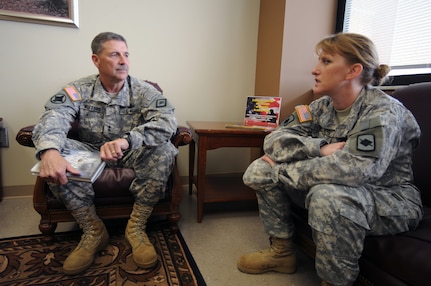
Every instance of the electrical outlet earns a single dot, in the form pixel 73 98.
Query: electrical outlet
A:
pixel 4 141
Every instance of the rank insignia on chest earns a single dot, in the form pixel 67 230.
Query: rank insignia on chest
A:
pixel 303 112
pixel 72 93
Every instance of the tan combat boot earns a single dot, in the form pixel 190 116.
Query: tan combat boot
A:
pixel 280 257
pixel 144 254
pixel 95 237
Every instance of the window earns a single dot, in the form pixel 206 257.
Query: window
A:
pixel 399 28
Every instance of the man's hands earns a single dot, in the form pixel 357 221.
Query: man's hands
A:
pixel 53 167
pixel 328 149
pixel 113 150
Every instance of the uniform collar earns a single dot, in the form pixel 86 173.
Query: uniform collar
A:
pixel 122 98
pixel 328 119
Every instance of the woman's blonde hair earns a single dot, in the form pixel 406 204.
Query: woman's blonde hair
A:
pixel 356 48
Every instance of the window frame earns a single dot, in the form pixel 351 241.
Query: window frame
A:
pixel 394 80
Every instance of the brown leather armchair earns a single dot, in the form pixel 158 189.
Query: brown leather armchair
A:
pixel 112 197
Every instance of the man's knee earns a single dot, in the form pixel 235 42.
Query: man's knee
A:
pixel 153 162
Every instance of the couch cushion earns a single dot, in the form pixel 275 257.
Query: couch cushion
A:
pixel 416 98
pixel 406 255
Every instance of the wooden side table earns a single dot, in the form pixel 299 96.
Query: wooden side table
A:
pixel 211 135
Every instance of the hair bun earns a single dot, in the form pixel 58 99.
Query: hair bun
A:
pixel 380 73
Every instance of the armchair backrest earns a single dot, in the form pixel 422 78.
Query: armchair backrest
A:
pixel 417 98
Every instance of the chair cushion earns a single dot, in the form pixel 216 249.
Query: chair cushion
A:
pixel 114 182
pixel 111 188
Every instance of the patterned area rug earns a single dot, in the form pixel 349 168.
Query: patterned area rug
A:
pixel 30 261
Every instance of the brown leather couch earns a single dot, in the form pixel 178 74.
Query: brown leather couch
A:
pixel 113 199
pixel 403 259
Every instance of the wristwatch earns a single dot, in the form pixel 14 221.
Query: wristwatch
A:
pixel 127 137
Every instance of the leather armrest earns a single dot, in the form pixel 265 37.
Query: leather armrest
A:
pixel 182 137
pixel 24 136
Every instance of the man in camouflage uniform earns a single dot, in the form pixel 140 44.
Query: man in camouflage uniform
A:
pixel 362 185
pixel 130 122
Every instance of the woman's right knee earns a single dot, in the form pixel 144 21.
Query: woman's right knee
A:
pixel 258 175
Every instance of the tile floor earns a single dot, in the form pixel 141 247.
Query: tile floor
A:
pixel 226 232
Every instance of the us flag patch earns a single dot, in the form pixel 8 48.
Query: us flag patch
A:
pixel 303 113
pixel 72 93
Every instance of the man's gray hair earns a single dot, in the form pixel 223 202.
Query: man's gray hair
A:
pixel 97 43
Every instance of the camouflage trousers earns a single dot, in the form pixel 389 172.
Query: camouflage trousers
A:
pixel 340 217
pixel 152 166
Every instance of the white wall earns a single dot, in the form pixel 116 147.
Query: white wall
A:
pixel 202 53
pixel 306 23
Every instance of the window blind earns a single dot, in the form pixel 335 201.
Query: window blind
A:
pixel 401 30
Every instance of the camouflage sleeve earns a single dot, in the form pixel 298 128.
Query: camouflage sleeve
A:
pixel 159 124
pixel 292 141
pixel 55 122
pixel 368 152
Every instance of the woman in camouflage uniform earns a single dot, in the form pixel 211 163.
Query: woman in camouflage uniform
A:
pixel 346 158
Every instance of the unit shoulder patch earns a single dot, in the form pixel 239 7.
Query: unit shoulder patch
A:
pixel 288 120
pixel 58 99
pixel 161 103
pixel 366 143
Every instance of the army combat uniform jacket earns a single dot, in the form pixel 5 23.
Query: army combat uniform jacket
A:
pixel 139 112
pixel 380 135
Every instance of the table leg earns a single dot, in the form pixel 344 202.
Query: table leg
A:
pixel 201 174
pixel 192 147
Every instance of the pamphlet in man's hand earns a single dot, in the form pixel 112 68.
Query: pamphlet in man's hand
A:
pixel 88 163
